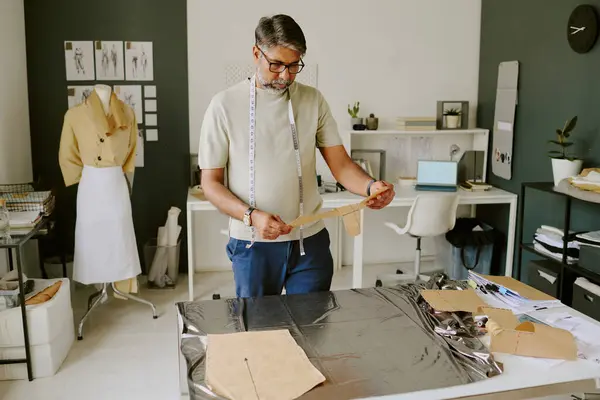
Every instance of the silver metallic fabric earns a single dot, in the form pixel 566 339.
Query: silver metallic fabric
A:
pixel 366 342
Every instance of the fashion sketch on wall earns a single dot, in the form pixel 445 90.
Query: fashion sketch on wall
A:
pixel 78 94
pixel 132 96
pixel 109 61
pixel 139 63
pixel 79 61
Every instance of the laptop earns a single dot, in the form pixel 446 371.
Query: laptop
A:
pixel 441 176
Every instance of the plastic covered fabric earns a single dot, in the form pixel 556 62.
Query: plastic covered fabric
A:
pixel 366 342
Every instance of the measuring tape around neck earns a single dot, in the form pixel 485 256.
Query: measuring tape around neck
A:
pixel 252 153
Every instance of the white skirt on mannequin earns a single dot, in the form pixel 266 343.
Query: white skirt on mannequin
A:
pixel 105 244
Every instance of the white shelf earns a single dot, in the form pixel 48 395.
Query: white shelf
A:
pixel 436 132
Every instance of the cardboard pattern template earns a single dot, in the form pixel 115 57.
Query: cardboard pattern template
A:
pixel 350 215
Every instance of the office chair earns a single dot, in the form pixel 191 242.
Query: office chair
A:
pixel 430 215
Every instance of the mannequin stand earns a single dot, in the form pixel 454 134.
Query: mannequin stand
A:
pixel 96 298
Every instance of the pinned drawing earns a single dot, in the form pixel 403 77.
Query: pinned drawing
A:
pixel 78 94
pixel 79 61
pixel 132 96
pixel 350 215
pixel 109 61
pixel 139 62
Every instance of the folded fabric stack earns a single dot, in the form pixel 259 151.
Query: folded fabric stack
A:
pixel 550 241
pixel 589 238
pixel 588 179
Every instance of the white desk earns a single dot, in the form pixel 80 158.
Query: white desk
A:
pixel 404 198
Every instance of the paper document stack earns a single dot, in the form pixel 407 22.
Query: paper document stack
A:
pixel 586 333
pixel 22 222
pixel 495 291
pixel 471 186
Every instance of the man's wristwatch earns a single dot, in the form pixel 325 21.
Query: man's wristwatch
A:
pixel 247 219
pixel 369 187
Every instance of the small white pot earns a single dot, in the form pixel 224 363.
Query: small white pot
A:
pixel 356 121
pixel 452 121
pixel 562 169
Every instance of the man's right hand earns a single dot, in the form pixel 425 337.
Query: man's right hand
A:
pixel 269 226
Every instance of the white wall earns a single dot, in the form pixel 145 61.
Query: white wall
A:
pixel 397 57
pixel 15 143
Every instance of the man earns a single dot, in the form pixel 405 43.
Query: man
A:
pixel 252 129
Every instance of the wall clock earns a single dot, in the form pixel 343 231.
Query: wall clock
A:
pixel 582 28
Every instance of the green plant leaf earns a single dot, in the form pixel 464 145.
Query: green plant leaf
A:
pixel 561 144
pixel 570 125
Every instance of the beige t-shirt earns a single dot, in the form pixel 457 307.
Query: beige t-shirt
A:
pixel 224 139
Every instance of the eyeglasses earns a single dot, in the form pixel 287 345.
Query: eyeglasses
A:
pixel 278 67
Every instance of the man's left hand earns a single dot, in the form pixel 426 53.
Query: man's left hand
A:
pixel 383 199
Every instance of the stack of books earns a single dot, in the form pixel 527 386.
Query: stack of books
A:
pixel 472 186
pixel 416 123
pixel 21 222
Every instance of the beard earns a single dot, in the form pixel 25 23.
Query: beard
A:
pixel 276 86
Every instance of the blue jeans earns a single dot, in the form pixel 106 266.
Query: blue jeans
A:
pixel 267 267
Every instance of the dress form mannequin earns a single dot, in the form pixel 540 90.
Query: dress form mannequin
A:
pixel 104 92
pixel 97 149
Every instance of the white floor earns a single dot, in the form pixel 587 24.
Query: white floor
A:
pixel 126 354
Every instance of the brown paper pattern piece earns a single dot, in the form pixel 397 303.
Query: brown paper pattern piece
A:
pixel 262 365
pixel 350 215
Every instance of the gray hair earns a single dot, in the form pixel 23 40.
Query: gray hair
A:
pixel 280 30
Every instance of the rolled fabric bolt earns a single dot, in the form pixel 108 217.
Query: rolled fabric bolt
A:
pixel 159 263
pixel 172 226
pixel 173 231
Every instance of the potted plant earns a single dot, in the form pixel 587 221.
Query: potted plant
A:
pixel 452 116
pixel 563 164
pixel 355 120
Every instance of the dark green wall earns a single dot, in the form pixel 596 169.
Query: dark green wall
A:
pixel 163 180
pixel 555 84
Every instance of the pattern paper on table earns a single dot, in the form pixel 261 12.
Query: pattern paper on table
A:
pixel 261 365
